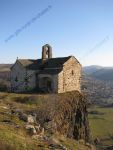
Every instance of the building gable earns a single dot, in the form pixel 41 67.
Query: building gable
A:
pixel 74 60
pixel 17 63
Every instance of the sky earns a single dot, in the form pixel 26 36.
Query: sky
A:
pixel 83 28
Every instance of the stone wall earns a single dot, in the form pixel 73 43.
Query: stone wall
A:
pixel 60 83
pixel 18 78
pixel 31 80
pixel 70 77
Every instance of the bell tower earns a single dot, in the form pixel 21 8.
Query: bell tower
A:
pixel 46 52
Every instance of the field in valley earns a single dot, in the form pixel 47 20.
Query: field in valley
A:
pixel 101 124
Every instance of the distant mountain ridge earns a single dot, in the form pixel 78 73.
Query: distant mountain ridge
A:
pixel 99 72
pixel 5 67
pixel 90 69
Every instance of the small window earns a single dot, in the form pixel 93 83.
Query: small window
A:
pixel 72 72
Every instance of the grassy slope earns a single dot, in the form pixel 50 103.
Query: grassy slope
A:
pixel 12 138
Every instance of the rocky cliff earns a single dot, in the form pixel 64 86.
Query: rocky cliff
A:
pixel 65 114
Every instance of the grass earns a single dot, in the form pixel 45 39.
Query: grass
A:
pixel 71 144
pixel 101 124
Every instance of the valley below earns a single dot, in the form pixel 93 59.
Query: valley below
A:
pixel 97 84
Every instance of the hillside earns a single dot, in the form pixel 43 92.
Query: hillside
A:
pixel 98 85
pixel 98 91
pixel 90 69
pixel 5 76
pixel 100 73
pixel 44 122
pixel 5 67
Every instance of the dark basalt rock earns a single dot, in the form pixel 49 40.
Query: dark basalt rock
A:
pixel 67 115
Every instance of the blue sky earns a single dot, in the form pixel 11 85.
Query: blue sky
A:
pixel 83 28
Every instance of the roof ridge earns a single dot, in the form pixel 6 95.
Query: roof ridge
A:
pixel 49 58
pixel 35 64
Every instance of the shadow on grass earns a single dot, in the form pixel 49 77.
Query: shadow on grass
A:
pixel 95 112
